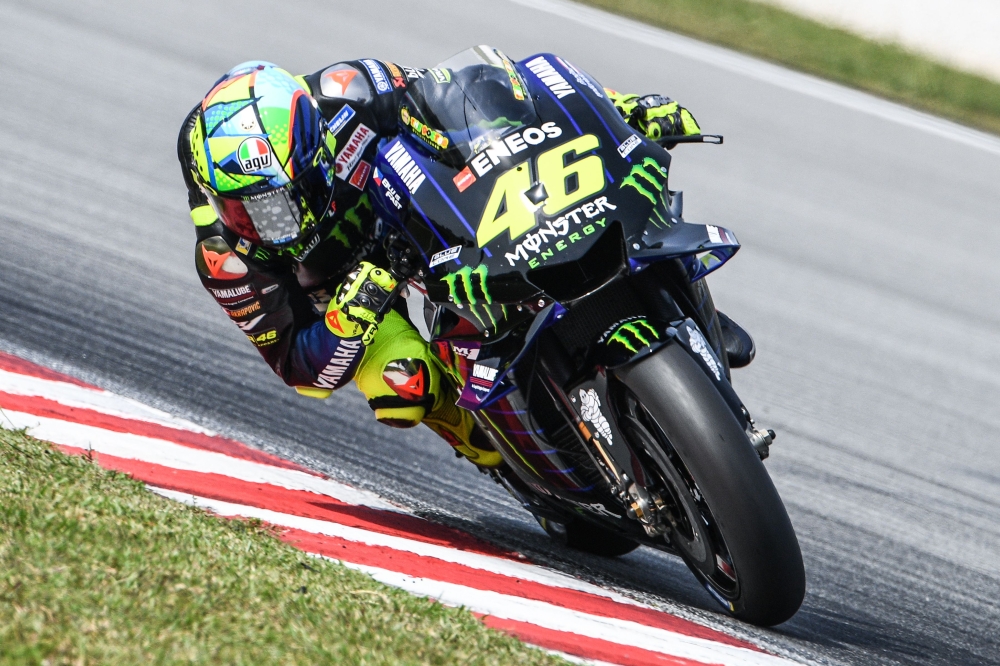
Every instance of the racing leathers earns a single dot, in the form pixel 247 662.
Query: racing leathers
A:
pixel 309 309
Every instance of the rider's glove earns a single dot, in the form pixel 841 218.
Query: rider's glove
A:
pixel 659 116
pixel 363 292
pixel 654 115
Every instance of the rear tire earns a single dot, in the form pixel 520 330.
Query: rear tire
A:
pixel 726 518
pixel 581 535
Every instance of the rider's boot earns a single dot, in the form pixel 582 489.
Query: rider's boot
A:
pixel 739 345
pixel 457 427
pixel 405 386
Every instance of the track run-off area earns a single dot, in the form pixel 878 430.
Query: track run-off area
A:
pixel 182 461
pixel 866 276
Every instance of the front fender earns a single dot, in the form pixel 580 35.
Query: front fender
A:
pixel 631 340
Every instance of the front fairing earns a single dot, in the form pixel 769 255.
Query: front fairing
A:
pixel 543 212
pixel 483 229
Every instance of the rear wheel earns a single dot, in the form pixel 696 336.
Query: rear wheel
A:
pixel 723 514
pixel 581 535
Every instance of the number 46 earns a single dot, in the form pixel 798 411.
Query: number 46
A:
pixel 566 182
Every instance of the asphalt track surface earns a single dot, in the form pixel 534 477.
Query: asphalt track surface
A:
pixel 866 275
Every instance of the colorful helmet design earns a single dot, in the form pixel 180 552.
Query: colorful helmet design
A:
pixel 261 152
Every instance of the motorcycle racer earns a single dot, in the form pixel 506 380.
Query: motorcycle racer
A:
pixel 276 168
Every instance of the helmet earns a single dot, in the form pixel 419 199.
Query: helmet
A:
pixel 261 151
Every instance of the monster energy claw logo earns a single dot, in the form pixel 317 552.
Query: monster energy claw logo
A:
pixel 463 277
pixel 645 181
pixel 650 179
pixel 635 335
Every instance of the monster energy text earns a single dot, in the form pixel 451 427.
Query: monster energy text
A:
pixel 539 242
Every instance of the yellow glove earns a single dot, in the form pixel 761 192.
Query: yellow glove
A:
pixel 361 295
pixel 654 115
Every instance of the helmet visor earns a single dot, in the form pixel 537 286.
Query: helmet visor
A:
pixel 282 215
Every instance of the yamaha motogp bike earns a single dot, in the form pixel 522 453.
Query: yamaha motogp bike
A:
pixel 546 261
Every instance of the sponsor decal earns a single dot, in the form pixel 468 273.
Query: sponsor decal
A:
pixel 405 167
pixel 398 80
pixel 349 156
pixel 235 295
pixel 445 255
pixel 633 334
pixel 471 353
pixel 590 411
pixel 650 180
pixel 628 145
pixel 441 75
pixel 244 311
pixel 254 155
pixel 467 279
pixel 548 75
pixel 513 144
pixel 347 352
pixel 464 179
pixel 269 289
pixel 433 138
pixel 713 234
pixel 597 508
pixel 408 378
pixel 264 338
pixel 338 324
pixel 306 249
pixel 541 241
pixel 378 76
pixel 515 83
pixel 581 78
pixel 483 377
pixel 222 265
pixel 360 176
pixel 646 178
pixel 699 345
pixel 249 325
pixel 387 189
pixel 412 73
pixel 342 118
pixel 243 246
pixel 334 83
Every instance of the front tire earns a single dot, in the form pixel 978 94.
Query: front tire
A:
pixel 724 515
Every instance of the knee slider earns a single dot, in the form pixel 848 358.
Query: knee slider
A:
pixel 409 378
pixel 399 417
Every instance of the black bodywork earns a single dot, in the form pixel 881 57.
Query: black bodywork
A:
pixel 541 316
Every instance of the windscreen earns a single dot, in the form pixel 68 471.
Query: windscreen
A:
pixel 467 102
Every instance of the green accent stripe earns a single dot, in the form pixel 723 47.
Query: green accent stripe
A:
pixel 202 216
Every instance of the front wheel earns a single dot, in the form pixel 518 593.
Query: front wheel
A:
pixel 721 510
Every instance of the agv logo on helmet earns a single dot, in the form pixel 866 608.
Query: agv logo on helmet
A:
pixel 254 155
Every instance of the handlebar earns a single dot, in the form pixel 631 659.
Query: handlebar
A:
pixel 690 138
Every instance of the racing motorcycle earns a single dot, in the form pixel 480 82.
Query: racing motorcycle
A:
pixel 543 256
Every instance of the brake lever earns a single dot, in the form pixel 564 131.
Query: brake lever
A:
pixel 390 300
pixel 664 141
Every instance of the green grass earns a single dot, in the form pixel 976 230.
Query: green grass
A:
pixel 799 43
pixel 94 569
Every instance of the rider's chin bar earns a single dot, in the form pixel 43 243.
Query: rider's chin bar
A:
pixel 666 141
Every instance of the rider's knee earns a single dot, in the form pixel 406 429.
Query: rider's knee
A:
pixel 400 417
